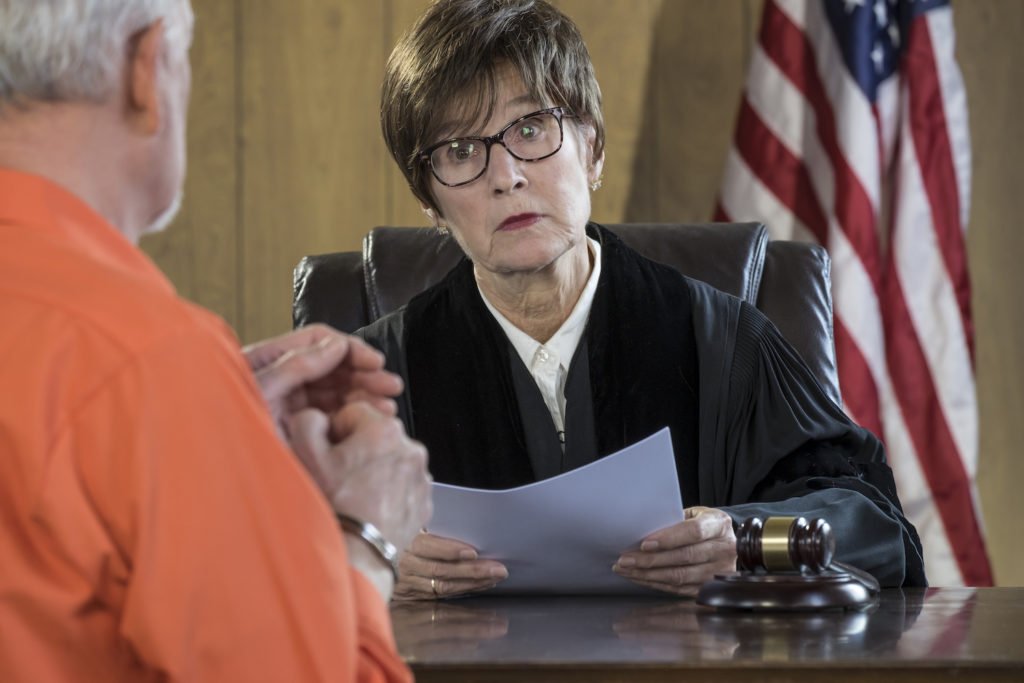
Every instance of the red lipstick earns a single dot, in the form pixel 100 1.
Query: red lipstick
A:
pixel 519 221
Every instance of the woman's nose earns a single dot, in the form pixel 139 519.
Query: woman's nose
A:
pixel 504 171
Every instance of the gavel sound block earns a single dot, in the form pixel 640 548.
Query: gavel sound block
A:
pixel 786 563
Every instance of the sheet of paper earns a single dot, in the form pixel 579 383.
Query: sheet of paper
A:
pixel 562 535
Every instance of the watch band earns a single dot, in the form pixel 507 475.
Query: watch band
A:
pixel 373 537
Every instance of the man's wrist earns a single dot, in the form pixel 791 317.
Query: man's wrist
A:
pixel 365 561
pixel 371 536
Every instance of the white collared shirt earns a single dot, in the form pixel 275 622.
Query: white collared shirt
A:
pixel 548 363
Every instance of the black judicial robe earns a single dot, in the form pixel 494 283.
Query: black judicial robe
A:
pixel 752 430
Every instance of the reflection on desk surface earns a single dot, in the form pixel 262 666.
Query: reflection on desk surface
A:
pixel 919 627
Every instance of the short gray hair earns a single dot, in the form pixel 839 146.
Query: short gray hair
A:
pixel 71 50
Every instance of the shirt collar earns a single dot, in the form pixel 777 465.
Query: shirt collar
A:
pixel 564 341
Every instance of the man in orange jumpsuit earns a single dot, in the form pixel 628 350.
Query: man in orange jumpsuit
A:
pixel 154 524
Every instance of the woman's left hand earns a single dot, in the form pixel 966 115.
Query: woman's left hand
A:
pixel 679 558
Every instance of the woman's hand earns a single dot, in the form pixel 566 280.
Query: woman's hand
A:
pixel 679 558
pixel 436 567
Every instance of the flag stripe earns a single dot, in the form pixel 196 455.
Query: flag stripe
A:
pixel 954 95
pixel 931 266
pixel 932 440
pixel 794 55
pixel 786 112
pixel 932 305
pixel 860 393
pixel 839 87
pixel 857 307
pixel 792 184
pixel 935 160
pixel 746 184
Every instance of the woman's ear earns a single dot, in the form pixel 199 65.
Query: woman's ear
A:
pixel 594 165
pixel 596 168
pixel 429 213
pixel 434 218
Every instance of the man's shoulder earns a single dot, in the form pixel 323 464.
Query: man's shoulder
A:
pixel 90 337
pixel 59 305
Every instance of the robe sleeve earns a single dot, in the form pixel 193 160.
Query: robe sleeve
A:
pixel 789 449
pixel 866 537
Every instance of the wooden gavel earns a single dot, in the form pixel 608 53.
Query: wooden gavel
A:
pixel 788 563
pixel 784 544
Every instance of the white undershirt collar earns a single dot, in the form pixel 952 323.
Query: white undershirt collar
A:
pixel 548 363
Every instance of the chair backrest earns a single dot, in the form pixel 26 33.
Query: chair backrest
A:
pixel 788 281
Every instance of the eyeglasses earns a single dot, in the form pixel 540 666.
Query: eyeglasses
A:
pixel 536 136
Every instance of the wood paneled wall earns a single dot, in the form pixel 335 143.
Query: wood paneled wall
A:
pixel 286 159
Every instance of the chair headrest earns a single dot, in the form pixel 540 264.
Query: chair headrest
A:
pixel 399 263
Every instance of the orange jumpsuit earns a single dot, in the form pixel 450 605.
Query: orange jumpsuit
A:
pixel 152 525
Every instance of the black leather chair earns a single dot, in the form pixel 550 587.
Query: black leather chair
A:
pixel 788 281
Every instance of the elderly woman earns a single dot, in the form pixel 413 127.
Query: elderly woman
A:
pixel 553 343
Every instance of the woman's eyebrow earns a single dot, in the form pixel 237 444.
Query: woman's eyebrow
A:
pixel 449 129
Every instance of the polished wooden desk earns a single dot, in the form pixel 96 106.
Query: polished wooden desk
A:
pixel 911 635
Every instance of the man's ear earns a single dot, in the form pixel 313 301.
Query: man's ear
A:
pixel 143 72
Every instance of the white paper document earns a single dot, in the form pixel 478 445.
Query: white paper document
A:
pixel 562 535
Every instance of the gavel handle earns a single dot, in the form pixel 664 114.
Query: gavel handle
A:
pixel 865 579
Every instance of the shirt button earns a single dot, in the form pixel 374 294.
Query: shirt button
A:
pixel 542 355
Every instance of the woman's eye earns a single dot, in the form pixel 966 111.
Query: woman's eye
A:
pixel 462 152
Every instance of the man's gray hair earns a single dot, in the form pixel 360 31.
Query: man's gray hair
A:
pixel 71 50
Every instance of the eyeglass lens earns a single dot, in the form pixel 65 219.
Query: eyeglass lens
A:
pixel 531 138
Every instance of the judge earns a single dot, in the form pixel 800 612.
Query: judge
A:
pixel 553 343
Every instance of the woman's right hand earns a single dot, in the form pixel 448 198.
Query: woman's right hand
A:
pixel 435 567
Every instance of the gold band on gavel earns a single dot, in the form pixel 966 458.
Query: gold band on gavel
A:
pixel 775 544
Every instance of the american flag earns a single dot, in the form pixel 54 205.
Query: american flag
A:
pixel 852 132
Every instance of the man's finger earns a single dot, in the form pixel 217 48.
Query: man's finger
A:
pixel 377 382
pixel 300 366
pixel 362 356
pixel 263 353
pixel 345 421
pixel 307 433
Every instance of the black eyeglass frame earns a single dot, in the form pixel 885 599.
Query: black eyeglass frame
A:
pixel 558 112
